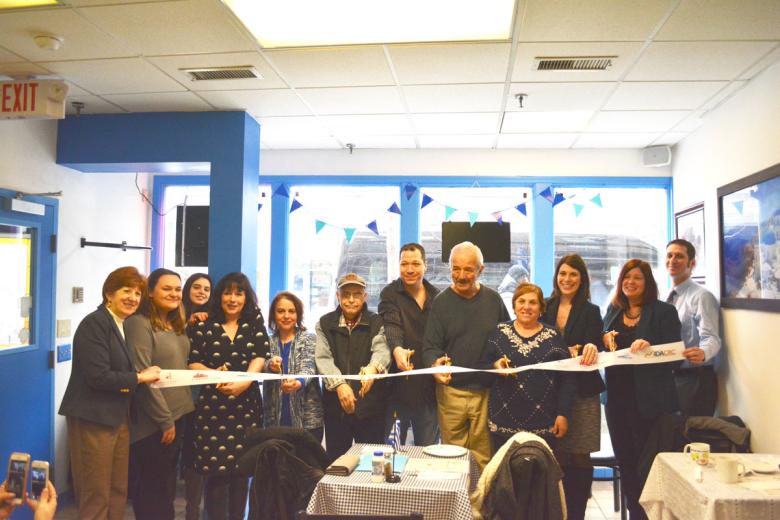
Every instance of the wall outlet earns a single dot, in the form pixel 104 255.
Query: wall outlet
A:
pixel 63 328
pixel 64 353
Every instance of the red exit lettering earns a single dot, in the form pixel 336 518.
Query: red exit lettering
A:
pixel 19 97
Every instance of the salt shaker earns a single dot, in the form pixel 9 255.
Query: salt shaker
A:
pixel 378 467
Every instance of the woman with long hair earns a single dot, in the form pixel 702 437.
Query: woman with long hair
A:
pixel 156 334
pixel 579 321
pixel 292 402
pixel 232 338
pixel 637 395
pixel 196 297
pixel 96 403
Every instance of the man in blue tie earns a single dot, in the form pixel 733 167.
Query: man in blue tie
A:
pixel 697 384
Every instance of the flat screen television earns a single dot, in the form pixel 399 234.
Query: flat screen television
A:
pixel 192 236
pixel 493 238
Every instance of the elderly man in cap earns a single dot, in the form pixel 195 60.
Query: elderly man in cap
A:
pixel 351 341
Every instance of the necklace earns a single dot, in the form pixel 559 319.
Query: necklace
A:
pixel 637 315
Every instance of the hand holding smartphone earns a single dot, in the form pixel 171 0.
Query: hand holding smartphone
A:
pixel 16 480
pixel 39 474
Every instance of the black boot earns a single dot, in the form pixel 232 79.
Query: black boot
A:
pixel 576 486
pixel 193 492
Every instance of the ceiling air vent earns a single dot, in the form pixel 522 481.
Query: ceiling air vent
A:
pixel 573 62
pixel 234 72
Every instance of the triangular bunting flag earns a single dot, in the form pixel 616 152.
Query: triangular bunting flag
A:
pixel 499 218
pixel 597 200
pixel 295 205
pixel 448 211
pixel 547 194
pixel 409 190
pixel 558 199
pixel 259 207
pixel 472 217
pixel 738 206
pixel 521 208
pixel 578 209
pixel 394 209
pixel 425 201
pixel 282 190
pixel 319 225
pixel 372 227
pixel 348 232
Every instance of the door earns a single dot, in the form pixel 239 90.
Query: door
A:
pixel 27 298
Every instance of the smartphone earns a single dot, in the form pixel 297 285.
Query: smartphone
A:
pixel 16 481
pixel 39 474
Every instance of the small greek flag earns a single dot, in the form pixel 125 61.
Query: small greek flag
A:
pixel 394 439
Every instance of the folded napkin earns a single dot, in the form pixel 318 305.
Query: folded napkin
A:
pixel 343 466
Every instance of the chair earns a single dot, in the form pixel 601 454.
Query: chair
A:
pixel 302 515
pixel 603 459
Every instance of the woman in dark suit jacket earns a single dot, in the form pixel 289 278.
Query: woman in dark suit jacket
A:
pixel 637 395
pixel 97 399
pixel 569 310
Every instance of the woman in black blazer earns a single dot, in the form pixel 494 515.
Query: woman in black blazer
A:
pixel 637 395
pixel 569 310
pixel 97 400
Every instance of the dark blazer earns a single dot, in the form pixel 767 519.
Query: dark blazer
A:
pixel 656 393
pixel 102 378
pixel 583 326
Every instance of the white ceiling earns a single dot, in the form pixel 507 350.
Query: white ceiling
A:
pixel 676 60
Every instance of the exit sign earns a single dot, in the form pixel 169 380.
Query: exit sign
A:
pixel 32 99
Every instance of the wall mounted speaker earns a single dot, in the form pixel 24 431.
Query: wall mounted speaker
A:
pixel 655 156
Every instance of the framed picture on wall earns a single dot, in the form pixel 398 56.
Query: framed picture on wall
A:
pixel 689 224
pixel 749 234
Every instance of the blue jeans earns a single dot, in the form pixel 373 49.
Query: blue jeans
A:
pixel 422 419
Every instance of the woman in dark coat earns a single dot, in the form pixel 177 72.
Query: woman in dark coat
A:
pixel 570 311
pixel 637 395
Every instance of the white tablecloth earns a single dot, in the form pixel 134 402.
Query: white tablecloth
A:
pixel 357 495
pixel 671 491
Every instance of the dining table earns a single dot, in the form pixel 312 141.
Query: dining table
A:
pixel 679 488
pixel 436 487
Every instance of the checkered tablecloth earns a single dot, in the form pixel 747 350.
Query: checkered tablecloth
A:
pixel 357 495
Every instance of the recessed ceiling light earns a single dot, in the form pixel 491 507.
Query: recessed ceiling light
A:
pixel 312 23
pixel 16 4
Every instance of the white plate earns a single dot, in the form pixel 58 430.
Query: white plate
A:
pixel 762 467
pixel 445 450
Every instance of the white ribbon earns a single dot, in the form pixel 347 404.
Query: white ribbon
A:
pixel 654 354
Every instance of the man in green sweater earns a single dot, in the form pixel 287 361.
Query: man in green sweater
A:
pixel 462 317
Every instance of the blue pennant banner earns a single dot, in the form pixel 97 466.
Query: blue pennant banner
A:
pixel 259 207
pixel 319 225
pixel 282 190
pixel 558 199
pixel 394 209
pixel 738 206
pixel 348 232
pixel 597 200
pixel 521 209
pixel 372 227
pixel 425 201
pixel 547 194
pixel 499 218
pixel 578 209
pixel 409 190
pixel 472 217
pixel 448 211
pixel 295 205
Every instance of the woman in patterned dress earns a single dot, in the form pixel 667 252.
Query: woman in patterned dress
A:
pixel 233 338
pixel 536 401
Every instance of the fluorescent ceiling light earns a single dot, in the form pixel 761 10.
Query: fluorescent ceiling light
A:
pixel 15 4
pixel 311 23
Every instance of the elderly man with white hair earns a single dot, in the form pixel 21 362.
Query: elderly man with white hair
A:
pixel 461 319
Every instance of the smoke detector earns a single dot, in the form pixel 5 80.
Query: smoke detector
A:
pixel 48 42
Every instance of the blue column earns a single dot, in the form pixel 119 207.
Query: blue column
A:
pixel 542 240
pixel 410 216
pixel 280 231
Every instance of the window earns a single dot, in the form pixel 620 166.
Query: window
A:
pixel 16 301
pixel 607 226
pixel 503 277
pixel 319 252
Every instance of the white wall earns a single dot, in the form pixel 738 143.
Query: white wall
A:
pixel 739 138
pixel 99 207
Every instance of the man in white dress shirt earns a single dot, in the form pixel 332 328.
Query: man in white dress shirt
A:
pixel 699 311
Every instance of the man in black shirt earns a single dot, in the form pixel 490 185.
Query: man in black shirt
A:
pixel 404 306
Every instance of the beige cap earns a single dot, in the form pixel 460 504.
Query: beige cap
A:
pixel 351 279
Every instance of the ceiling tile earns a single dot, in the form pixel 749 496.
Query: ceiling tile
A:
pixel 682 61
pixel 378 141
pixel 636 121
pixel 723 20
pixel 290 127
pixel 172 65
pixel 454 98
pixel 770 58
pixel 333 67
pixel 536 140
pixel 81 39
pixel 179 27
pixel 456 141
pixel 660 95
pixel 159 102
pixel 87 3
pixel 115 76
pixel 670 138
pixel 382 124
pixel 536 122
pixel 690 123
pixel 558 96
pixel 525 68
pixel 92 105
pixel 75 90
pixel 353 100
pixel 299 142
pixel 594 20
pixel 450 63
pixel 622 140
pixel 22 70
pixel 447 124
pixel 261 103
pixel 730 90
pixel 9 57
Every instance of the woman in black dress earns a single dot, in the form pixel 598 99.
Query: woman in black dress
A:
pixel 570 311
pixel 233 338
pixel 637 395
